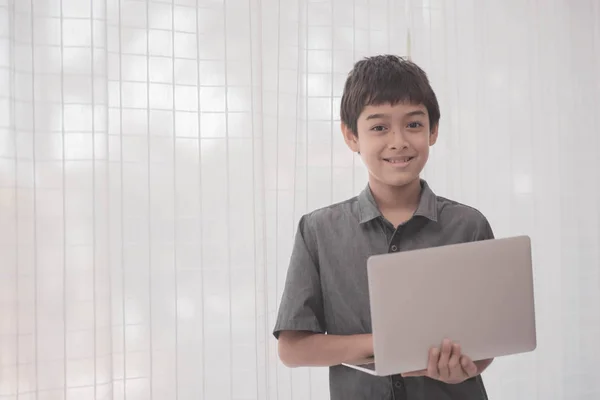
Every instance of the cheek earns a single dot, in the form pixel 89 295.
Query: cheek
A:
pixel 371 151
pixel 421 144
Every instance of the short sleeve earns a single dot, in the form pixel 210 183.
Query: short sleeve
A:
pixel 484 230
pixel 301 307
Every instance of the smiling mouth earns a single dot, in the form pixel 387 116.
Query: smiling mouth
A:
pixel 398 161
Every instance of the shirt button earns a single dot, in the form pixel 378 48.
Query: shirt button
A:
pixel 394 248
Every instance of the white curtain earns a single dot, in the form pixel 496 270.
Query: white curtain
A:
pixel 156 155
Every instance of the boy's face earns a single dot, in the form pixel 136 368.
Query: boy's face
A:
pixel 393 141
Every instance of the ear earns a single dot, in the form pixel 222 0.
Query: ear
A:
pixel 350 138
pixel 433 135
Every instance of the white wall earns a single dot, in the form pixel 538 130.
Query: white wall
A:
pixel 156 156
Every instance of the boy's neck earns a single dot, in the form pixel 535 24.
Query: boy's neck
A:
pixel 396 203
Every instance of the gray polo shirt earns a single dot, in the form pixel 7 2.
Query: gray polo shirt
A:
pixel 326 289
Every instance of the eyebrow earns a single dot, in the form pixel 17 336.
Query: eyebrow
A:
pixel 410 114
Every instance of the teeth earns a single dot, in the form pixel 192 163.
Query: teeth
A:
pixel 398 160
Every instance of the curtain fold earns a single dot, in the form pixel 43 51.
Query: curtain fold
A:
pixel 155 157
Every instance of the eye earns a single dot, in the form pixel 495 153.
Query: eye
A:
pixel 415 125
pixel 378 128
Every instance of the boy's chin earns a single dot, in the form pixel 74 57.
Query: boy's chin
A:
pixel 398 181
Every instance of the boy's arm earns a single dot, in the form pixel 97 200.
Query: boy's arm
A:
pixel 483 230
pixel 301 326
pixel 308 349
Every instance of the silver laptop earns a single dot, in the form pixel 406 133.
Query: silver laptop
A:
pixel 479 294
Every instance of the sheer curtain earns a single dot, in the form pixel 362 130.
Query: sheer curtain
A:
pixel 156 155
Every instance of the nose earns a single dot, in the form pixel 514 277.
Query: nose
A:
pixel 397 140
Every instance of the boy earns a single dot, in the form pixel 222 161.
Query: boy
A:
pixel 390 116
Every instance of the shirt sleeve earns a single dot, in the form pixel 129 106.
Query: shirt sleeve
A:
pixel 483 230
pixel 301 307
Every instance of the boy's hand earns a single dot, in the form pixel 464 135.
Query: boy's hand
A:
pixel 449 365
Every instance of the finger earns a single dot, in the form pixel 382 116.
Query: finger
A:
pixel 432 365
pixel 443 368
pixel 468 366
pixel 456 370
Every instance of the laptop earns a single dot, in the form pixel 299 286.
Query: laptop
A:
pixel 479 294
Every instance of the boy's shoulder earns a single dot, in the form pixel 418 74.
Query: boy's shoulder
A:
pixel 349 209
pixel 332 222
pixel 337 213
pixel 453 215
pixel 344 216
pixel 453 208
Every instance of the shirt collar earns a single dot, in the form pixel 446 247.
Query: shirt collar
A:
pixel 427 207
